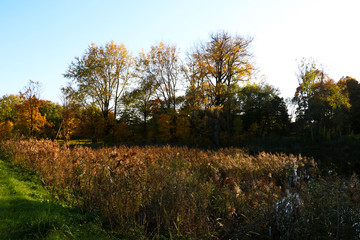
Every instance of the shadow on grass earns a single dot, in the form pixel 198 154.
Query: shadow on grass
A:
pixel 23 218
pixel 27 211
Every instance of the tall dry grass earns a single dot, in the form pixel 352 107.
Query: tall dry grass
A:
pixel 179 192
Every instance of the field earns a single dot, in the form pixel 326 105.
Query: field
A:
pixel 29 211
pixel 188 193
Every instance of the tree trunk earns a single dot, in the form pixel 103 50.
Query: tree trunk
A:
pixel 311 131
pixel 217 128
pixel 116 98
pixel 229 123
pixel 145 135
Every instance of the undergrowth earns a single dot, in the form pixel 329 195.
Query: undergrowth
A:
pixel 28 210
pixel 185 193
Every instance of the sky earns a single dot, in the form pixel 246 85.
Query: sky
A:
pixel 40 38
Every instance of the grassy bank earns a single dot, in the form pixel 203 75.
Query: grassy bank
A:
pixel 28 210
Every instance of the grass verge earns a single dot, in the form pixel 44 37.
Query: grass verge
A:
pixel 28 211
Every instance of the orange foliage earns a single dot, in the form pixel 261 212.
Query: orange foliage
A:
pixel 165 127
pixel 6 130
pixel 29 119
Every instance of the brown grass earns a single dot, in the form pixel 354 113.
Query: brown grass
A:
pixel 176 192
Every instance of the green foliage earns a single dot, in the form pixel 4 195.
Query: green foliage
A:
pixel 139 99
pixel 7 107
pixel 323 105
pixel 351 88
pixel 263 111
pixel 53 114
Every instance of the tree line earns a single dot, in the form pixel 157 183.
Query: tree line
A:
pixel 208 98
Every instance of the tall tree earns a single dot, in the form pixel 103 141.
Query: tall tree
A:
pixel 70 111
pixel 222 63
pixel 163 70
pixel 142 95
pixel 351 87
pixel 321 102
pixel 262 110
pixel 308 74
pixel 101 76
pixel 29 119
pixel 165 66
pixel 329 104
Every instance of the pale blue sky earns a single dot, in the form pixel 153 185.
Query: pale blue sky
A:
pixel 38 39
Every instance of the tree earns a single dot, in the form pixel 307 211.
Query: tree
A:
pixel 321 102
pixel 197 97
pixel 6 128
pixel 8 115
pixel 29 120
pixel 329 104
pixel 145 91
pixel 351 88
pixel 7 107
pixel 70 111
pixel 53 113
pixel 221 63
pixel 262 111
pixel 165 67
pixel 101 76
pixel 158 75
pixel 307 76
pixel 89 123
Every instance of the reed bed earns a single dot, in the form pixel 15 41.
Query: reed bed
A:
pixel 189 193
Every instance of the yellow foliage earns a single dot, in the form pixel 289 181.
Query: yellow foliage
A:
pixel 6 130
pixel 29 119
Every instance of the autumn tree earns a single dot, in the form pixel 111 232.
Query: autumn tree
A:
pixel 197 96
pixel 89 123
pixel 351 87
pixel 308 74
pixel 29 120
pixel 70 110
pixel 140 98
pixel 321 103
pixel 100 76
pixel 8 115
pixel 158 74
pixel 329 104
pixel 165 67
pixel 53 114
pixel 220 64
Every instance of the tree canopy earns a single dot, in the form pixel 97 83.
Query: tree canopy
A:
pixel 210 98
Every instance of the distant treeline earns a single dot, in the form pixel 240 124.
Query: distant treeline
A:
pixel 209 98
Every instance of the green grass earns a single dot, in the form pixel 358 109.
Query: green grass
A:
pixel 28 211
pixel 82 142
pixel 76 142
